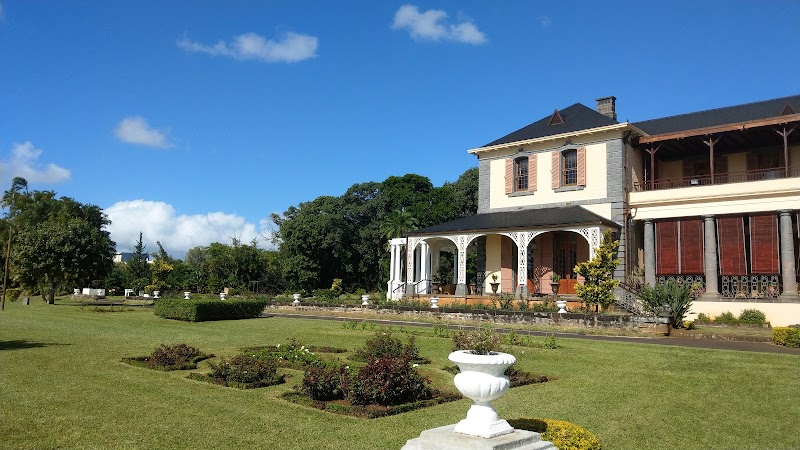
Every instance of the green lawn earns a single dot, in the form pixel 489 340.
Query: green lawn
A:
pixel 62 386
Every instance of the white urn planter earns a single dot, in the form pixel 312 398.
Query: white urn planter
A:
pixel 365 300
pixel 156 294
pixel 223 296
pixel 296 298
pixel 482 379
pixel 186 295
pixel 434 302
pixel 562 304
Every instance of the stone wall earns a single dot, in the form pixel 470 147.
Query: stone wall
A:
pixel 498 316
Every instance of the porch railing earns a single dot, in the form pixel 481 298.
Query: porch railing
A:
pixel 750 286
pixel 722 178
pixel 629 300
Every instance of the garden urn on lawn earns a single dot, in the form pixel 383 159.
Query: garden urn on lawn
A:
pixel 186 295
pixel 365 300
pixel 562 304
pixel 296 298
pixel 482 380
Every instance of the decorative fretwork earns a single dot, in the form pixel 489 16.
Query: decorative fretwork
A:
pixel 592 236
pixel 691 279
pixel 462 242
pixel 751 286
pixel 412 245
pixel 521 240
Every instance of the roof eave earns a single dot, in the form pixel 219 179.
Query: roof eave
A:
pixel 484 230
pixel 555 137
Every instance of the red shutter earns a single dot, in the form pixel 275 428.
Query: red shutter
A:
pixel 582 166
pixel 667 248
pixel 691 233
pixel 532 173
pixel 764 251
pixel 509 175
pixel 730 242
pixel 556 170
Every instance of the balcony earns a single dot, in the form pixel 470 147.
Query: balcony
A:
pixel 724 178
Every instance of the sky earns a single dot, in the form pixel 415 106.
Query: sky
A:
pixel 193 121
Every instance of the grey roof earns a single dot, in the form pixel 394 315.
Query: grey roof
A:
pixel 720 116
pixel 576 117
pixel 521 219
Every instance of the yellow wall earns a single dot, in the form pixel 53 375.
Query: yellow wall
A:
pixel 596 183
pixel 492 260
pixel 778 314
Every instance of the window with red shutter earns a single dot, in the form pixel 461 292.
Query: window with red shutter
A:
pixel 730 245
pixel 667 248
pixel 764 249
pixel 691 247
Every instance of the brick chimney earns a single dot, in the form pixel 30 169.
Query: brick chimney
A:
pixel 607 106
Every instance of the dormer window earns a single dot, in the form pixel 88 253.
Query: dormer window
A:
pixel 521 174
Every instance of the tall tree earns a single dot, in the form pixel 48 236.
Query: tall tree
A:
pixel 60 243
pixel 138 266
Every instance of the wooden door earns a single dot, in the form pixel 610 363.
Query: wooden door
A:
pixel 566 257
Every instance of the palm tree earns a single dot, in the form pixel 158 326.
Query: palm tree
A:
pixel 397 223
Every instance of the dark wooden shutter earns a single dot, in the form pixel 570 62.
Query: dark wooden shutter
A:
pixel 666 248
pixel 555 167
pixel 581 153
pixel 764 251
pixel 531 173
pixel 691 235
pixel 509 175
pixel 688 168
pixel 730 244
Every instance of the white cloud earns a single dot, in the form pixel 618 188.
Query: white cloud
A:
pixel 291 47
pixel 136 130
pixel 158 221
pixel 544 21
pixel 24 163
pixel 430 26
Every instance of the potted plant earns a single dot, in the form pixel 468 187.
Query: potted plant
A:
pixel 555 282
pixel 481 379
pixel 494 283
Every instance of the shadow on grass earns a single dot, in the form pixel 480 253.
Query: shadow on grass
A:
pixel 22 343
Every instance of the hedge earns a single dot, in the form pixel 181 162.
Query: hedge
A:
pixel 12 294
pixel 786 336
pixel 202 310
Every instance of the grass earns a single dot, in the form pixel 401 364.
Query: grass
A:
pixel 62 385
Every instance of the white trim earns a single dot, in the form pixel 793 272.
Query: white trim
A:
pixel 616 126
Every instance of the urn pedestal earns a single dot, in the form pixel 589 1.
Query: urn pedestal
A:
pixel 482 380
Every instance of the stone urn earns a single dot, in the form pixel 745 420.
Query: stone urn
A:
pixel 494 287
pixel 365 300
pixel 186 295
pixel 156 294
pixel 434 302
pixel 76 292
pixel 222 296
pixel 482 380
pixel 555 286
pixel 296 298
pixel 562 305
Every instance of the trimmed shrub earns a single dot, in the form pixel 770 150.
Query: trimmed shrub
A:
pixel 786 336
pixel 726 318
pixel 170 357
pixel 752 317
pixel 564 435
pixel 383 345
pixel 387 382
pixel 201 310
pixel 244 371
pixel 325 294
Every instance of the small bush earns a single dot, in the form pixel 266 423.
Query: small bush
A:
pixel 170 357
pixel 752 317
pixel 325 294
pixel 12 294
pixel 207 309
pixel 481 341
pixel 292 354
pixel 726 318
pixel 703 318
pixel 383 345
pixel 246 372
pixel 678 296
pixel 564 435
pixel 689 325
pixel 324 382
pixel 786 336
pixel 387 381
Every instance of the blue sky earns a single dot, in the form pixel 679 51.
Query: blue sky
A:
pixel 193 121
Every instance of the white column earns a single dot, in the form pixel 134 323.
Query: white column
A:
pixel 392 262
pixel 425 256
pixel 455 267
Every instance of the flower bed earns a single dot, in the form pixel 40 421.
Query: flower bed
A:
pixel 371 411
pixel 170 357
pixel 243 372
